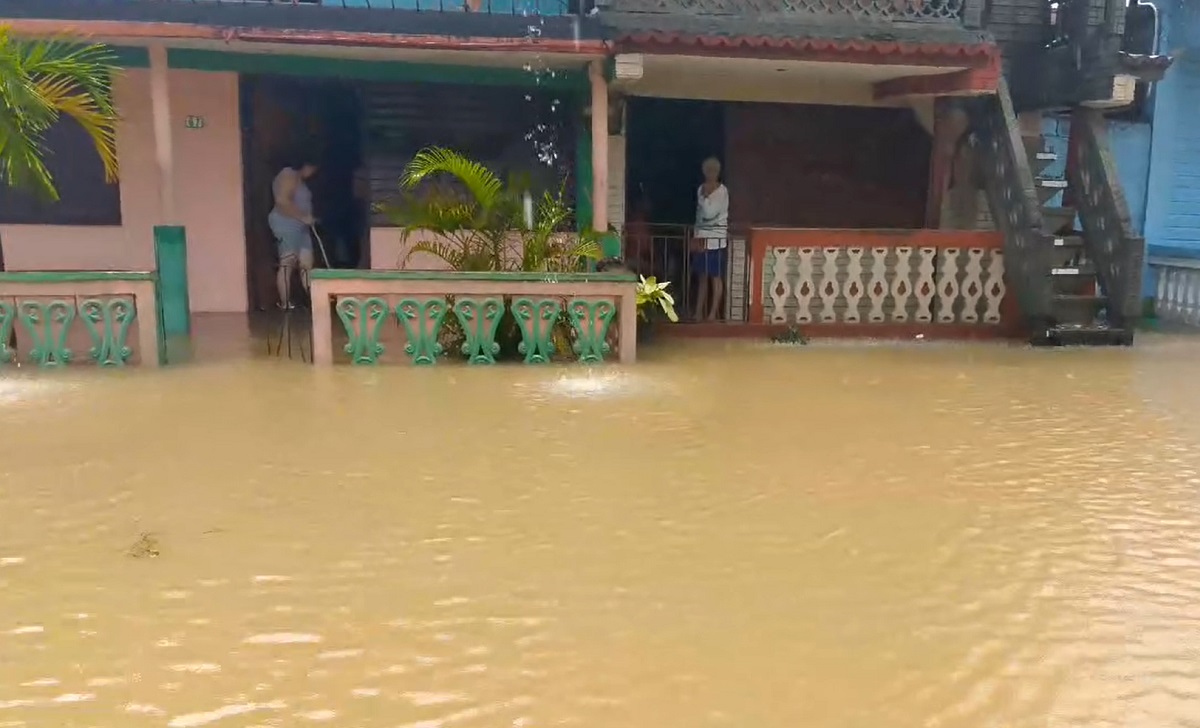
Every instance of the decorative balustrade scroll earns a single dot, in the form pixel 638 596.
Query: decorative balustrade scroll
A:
pixel 63 318
pixel 423 301
pixel 879 10
pixel 879 278
pixel 1111 242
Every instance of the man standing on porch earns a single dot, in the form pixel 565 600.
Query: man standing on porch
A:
pixel 291 222
pixel 709 242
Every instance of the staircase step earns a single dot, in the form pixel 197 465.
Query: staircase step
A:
pixel 1068 241
pixel 1047 188
pixel 1039 158
pixel 1058 220
pixel 1077 309
pixel 1093 335
pixel 1083 269
pixel 1074 278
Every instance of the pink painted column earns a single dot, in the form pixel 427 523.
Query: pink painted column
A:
pixel 599 147
pixel 160 100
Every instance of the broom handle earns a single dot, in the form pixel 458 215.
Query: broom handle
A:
pixel 320 246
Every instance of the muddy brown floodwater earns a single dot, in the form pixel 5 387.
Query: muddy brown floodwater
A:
pixel 723 535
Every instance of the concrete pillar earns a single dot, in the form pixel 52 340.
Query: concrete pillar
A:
pixel 164 150
pixel 949 125
pixel 170 238
pixel 599 147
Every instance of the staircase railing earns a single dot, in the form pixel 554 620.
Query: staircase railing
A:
pixel 1109 237
pixel 1008 183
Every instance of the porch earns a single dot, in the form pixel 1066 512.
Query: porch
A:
pixel 196 167
pixel 844 218
pixel 839 283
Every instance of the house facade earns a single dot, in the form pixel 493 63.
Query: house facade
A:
pixel 885 157
pixel 215 98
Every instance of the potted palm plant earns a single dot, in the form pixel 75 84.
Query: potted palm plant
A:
pixel 472 221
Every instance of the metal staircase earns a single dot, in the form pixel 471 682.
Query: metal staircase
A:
pixel 1078 310
pixel 1074 286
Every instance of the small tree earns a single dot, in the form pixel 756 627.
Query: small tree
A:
pixel 40 81
pixel 477 218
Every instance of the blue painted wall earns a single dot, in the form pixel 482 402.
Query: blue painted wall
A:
pixel 1173 191
pixel 1159 160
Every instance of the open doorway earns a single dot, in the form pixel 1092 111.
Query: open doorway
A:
pixel 667 143
pixel 284 118
pixel 785 165
pixel 668 140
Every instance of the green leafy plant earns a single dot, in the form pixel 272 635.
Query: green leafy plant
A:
pixel 545 247
pixel 793 336
pixel 477 219
pixel 651 294
pixel 478 223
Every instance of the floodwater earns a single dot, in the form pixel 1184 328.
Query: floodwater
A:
pixel 742 535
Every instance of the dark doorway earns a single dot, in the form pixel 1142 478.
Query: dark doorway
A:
pixel 285 117
pixel 668 139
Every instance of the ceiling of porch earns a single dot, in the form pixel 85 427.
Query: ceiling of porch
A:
pixel 782 81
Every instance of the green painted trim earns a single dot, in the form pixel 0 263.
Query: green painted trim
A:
pixel 74 276
pixel 610 245
pixel 131 56
pixel 498 276
pixel 264 63
pixel 170 258
pixel 583 176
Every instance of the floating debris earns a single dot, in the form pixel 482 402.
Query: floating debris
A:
pixel 792 336
pixel 146 547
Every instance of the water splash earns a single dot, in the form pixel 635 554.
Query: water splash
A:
pixel 542 135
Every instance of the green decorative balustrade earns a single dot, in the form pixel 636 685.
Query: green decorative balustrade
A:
pixel 363 318
pixel 44 312
pixel 8 314
pixel 48 324
pixel 108 322
pixel 479 320
pixel 578 309
pixel 536 319
pixel 423 321
pixel 591 320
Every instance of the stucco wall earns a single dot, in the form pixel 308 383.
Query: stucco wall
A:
pixel 208 186
pixel 1173 191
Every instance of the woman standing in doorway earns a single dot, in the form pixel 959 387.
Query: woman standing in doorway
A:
pixel 291 222
pixel 710 241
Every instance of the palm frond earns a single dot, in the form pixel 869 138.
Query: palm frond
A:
pixel 452 255
pixel 39 82
pixel 482 184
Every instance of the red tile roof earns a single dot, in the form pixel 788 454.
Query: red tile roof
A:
pixel 857 50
